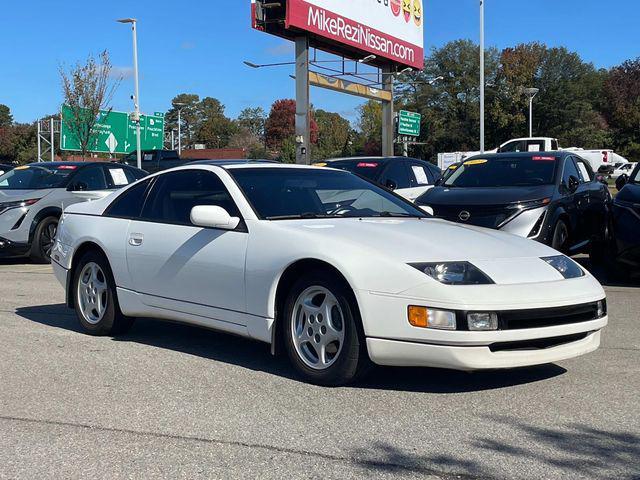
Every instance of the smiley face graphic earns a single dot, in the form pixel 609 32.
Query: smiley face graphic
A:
pixel 407 10
pixel 396 7
pixel 417 12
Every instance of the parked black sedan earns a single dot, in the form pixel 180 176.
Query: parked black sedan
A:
pixel 408 177
pixel 552 197
pixel 626 219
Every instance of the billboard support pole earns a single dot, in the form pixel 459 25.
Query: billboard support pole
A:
pixel 388 121
pixel 303 120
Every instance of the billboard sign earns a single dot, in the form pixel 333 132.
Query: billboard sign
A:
pixel 392 30
pixel 115 132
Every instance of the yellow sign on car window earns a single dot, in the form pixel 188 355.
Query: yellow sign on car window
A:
pixel 475 162
pixel 24 167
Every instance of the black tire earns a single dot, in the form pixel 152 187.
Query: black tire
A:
pixel 43 240
pixel 560 238
pixel 351 361
pixel 602 250
pixel 112 322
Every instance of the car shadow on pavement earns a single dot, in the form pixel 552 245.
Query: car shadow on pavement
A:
pixel 581 450
pixel 222 347
pixel 562 451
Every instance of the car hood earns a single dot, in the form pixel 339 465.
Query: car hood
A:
pixel 484 196
pixel 17 195
pixel 388 243
pixel 415 240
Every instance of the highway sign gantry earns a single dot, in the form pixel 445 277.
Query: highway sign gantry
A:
pixel 114 132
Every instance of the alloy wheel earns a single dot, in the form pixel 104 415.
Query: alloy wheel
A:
pixel 92 292
pixel 318 327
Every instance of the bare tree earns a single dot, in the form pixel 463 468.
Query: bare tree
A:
pixel 87 89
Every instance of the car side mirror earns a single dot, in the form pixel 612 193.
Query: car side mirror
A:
pixel 211 216
pixel 427 209
pixel 391 185
pixel 574 183
pixel 621 181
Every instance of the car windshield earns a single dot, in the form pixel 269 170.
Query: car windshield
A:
pixel 36 177
pixel 504 172
pixel 299 193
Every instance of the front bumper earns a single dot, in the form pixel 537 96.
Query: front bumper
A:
pixel 410 354
pixel 10 249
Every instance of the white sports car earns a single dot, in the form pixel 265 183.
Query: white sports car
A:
pixel 326 266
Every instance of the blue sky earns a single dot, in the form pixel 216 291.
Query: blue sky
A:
pixel 197 46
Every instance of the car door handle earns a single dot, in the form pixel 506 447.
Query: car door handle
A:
pixel 136 239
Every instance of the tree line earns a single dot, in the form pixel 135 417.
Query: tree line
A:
pixel 579 104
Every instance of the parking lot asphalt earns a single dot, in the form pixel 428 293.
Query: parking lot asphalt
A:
pixel 176 401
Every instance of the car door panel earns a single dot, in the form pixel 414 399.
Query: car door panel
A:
pixel 204 268
pixel 170 260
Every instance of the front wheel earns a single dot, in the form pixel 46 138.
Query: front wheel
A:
pixel 322 338
pixel 560 237
pixel 95 298
pixel 43 240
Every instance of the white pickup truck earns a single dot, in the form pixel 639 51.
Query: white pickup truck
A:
pixel 601 160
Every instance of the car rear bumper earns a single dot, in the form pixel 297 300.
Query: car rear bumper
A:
pixel 9 249
pixel 486 357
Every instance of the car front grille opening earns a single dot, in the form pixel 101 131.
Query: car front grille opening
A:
pixel 537 344
pixel 548 317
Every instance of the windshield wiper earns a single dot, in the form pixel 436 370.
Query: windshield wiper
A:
pixel 300 216
pixel 396 215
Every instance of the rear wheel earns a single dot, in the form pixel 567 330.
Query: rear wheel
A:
pixel 95 299
pixel 322 336
pixel 43 239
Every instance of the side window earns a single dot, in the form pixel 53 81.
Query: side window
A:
pixel 396 175
pixel 129 204
pixel 586 174
pixel 175 194
pixel 420 175
pixel 511 147
pixel 169 157
pixel 89 179
pixel 570 169
pixel 535 146
pixel 119 176
pixel 554 145
pixel 147 157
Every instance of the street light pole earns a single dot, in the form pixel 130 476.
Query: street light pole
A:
pixel 136 94
pixel 531 93
pixel 481 76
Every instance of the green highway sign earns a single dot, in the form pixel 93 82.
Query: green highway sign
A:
pixel 115 132
pixel 409 123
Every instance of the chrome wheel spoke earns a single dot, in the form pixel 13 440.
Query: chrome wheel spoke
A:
pixel 92 292
pixel 318 327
